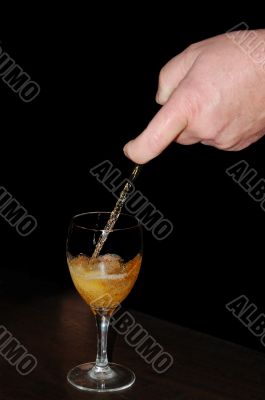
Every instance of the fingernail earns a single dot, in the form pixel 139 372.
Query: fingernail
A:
pixel 162 96
pixel 125 149
pixel 158 96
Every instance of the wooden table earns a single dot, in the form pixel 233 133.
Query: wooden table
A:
pixel 61 333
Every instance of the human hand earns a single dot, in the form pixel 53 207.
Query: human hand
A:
pixel 213 93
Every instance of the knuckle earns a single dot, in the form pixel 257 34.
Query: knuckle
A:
pixel 225 144
pixel 209 135
pixel 192 47
pixel 190 106
pixel 222 146
pixel 190 99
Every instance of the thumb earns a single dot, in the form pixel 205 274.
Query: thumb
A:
pixel 173 73
pixel 165 127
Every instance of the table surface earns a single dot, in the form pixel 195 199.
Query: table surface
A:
pixel 61 333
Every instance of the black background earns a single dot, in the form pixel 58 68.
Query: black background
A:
pixel 98 71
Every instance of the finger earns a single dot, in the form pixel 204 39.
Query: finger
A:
pixel 172 74
pixel 167 124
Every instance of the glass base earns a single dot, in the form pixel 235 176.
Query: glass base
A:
pixel 90 378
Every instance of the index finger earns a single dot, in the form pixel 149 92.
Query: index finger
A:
pixel 163 129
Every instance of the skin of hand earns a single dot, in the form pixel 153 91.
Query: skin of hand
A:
pixel 213 92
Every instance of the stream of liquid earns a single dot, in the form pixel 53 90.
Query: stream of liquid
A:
pixel 116 211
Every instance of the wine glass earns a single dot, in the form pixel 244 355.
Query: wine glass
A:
pixel 103 282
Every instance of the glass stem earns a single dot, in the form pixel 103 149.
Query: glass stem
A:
pixel 102 320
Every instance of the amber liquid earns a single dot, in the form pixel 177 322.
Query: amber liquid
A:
pixel 105 281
